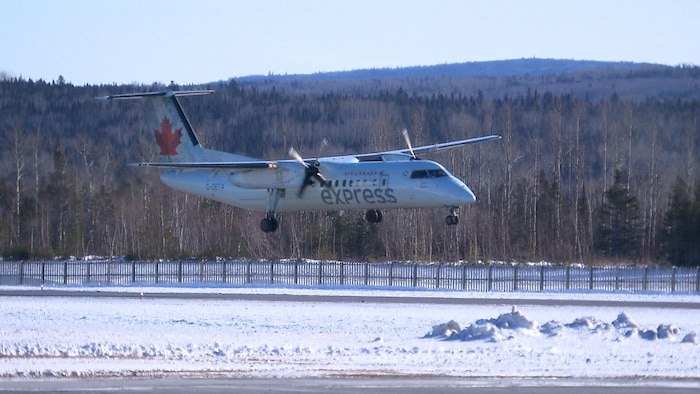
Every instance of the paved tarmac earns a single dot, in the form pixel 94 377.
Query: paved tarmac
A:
pixel 343 386
pixel 348 298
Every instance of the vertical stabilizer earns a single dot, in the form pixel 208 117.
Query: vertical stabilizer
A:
pixel 174 137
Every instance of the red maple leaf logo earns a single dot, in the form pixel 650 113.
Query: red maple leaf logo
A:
pixel 167 140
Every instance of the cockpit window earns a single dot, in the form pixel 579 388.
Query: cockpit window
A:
pixel 419 174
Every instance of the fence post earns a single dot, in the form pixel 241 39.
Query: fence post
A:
pixel 247 272
pixel 617 278
pixel 65 272
pixel 366 273
pixel 21 272
pixel 489 281
pixel 296 272
pixel 697 281
pixel 464 277
pixel 342 274
pixel 673 280
pixel 437 276
pixel 645 279
pixel 272 272
pixel 391 274
pixel 568 277
pixel 320 272
pixel 590 279
pixel 415 275
pixel 157 269
pixel 515 277
pixel 541 277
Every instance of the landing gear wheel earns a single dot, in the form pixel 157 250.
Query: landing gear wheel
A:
pixel 373 216
pixel 452 220
pixel 268 225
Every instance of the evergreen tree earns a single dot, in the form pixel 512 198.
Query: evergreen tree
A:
pixel 619 226
pixel 680 236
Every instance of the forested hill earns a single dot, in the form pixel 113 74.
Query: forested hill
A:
pixel 598 164
pixel 495 79
pixel 517 67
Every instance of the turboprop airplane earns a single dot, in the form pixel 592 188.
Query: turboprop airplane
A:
pixel 370 181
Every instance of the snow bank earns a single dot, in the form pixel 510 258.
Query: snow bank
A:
pixel 504 326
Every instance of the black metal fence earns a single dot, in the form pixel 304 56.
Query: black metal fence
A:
pixel 494 277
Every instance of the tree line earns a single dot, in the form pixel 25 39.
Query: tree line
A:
pixel 574 179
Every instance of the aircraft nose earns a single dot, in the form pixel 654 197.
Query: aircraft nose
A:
pixel 460 194
pixel 466 195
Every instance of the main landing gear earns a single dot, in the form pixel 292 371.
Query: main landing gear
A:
pixel 269 224
pixel 373 216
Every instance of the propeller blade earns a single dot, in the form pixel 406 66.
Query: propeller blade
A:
pixel 408 142
pixel 311 170
pixel 300 193
pixel 296 156
pixel 324 143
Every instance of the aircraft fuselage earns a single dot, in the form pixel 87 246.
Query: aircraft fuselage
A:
pixel 363 185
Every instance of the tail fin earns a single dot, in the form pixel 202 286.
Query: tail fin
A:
pixel 174 136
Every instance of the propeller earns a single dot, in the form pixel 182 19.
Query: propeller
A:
pixel 408 142
pixel 311 170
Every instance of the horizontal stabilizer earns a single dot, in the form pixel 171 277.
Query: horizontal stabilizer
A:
pixel 156 94
pixel 223 165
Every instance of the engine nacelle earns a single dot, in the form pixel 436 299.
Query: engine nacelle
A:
pixel 267 179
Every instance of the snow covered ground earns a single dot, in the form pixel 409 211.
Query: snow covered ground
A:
pixel 119 337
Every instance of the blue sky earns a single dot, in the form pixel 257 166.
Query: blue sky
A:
pixel 124 41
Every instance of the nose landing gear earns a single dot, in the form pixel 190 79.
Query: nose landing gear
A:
pixel 452 219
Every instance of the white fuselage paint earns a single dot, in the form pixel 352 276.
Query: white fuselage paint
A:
pixel 357 185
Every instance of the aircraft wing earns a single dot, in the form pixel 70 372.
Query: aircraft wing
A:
pixel 425 148
pixel 262 164
pixel 213 165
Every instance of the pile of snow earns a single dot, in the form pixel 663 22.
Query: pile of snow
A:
pixel 506 324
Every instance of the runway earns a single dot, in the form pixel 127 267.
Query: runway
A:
pixel 344 298
pixel 401 385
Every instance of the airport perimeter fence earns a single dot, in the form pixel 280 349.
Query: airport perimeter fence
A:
pixel 468 277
